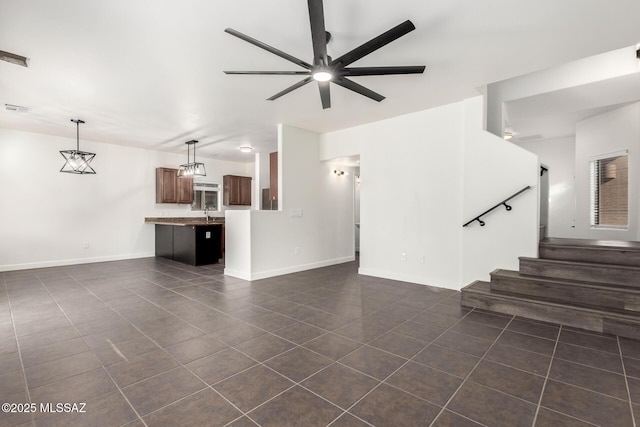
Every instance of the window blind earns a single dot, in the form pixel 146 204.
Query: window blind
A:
pixel 609 202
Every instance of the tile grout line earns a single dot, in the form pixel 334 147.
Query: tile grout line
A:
pixel 546 378
pixel 325 332
pixel 626 383
pixel 403 364
pixel 81 337
pixel 464 381
pixel 15 336
pixel 160 348
pixel 231 347
pixel 299 383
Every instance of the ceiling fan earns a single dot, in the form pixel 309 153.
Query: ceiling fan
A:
pixel 324 69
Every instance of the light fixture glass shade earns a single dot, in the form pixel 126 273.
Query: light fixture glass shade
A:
pixel 191 168
pixel 322 76
pixel 76 161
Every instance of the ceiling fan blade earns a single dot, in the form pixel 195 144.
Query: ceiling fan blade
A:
pixel 375 43
pixel 382 71
pixel 268 48
pixel 271 73
pixel 290 88
pixel 351 85
pixel 318 33
pixel 325 94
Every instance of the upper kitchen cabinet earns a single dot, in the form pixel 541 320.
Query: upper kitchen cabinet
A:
pixel 171 189
pixel 237 190
pixel 185 190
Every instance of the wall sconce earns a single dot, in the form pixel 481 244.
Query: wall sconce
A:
pixel 338 172
pixel 76 161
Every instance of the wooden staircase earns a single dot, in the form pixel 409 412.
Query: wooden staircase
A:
pixel 588 284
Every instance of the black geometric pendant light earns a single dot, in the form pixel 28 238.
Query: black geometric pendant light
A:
pixel 77 161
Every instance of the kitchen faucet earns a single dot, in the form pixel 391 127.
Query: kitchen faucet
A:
pixel 206 212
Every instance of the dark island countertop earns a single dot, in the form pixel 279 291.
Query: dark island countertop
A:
pixel 184 221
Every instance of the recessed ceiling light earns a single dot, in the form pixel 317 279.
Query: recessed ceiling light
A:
pixel 246 149
pixel 13 58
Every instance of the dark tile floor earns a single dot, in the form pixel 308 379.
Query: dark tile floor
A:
pixel 152 342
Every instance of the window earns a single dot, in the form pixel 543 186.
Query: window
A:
pixel 610 190
pixel 205 195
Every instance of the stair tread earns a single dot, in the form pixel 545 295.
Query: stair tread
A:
pixel 592 244
pixel 581 263
pixel 572 282
pixel 485 288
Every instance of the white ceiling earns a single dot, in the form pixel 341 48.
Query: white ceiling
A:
pixel 148 73
pixel 554 114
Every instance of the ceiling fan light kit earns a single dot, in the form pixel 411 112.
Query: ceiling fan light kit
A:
pixel 324 69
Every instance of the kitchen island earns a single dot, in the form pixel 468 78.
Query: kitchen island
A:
pixel 191 240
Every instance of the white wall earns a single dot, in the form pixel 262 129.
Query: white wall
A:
pixel 423 174
pixel 262 178
pixel 607 133
pixel 494 169
pixel 47 216
pixel 559 156
pixel 583 71
pixel 323 235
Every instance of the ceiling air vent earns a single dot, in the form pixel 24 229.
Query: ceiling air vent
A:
pixel 17 108
pixel 13 58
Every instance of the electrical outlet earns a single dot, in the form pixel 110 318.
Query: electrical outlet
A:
pixel 403 256
pixel 85 245
pixel 422 259
pixel 296 250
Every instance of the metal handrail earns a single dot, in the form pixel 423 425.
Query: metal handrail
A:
pixel 504 202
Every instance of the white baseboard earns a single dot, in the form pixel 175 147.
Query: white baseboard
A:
pixel 63 262
pixel 421 280
pixel 237 274
pixel 286 270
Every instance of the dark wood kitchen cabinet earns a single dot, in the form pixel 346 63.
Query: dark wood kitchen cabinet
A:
pixel 185 190
pixel 237 190
pixel 171 189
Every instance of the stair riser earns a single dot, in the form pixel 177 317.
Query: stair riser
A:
pixel 591 254
pixel 529 310
pixel 564 315
pixel 569 293
pixel 587 273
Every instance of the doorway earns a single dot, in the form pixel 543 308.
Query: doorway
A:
pixel 544 201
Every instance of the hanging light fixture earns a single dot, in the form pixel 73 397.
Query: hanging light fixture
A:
pixel 191 168
pixel 77 161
